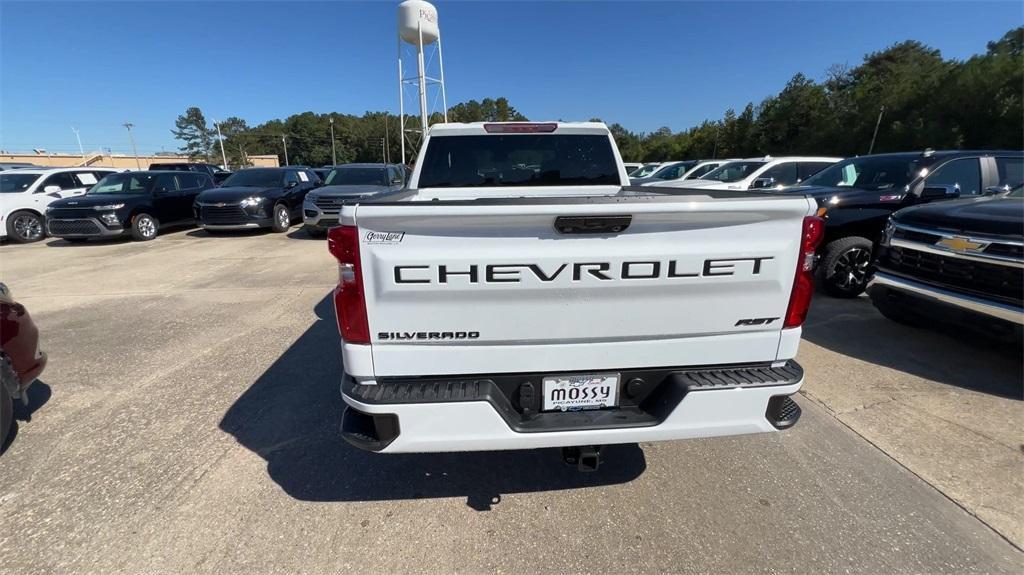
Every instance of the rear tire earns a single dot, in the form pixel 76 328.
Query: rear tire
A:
pixel 25 227
pixel 282 219
pixel 144 227
pixel 845 266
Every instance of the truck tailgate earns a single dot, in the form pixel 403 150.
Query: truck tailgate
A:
pixel 493 287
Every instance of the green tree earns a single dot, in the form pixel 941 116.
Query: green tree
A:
pixel 234 130
pixel 191 128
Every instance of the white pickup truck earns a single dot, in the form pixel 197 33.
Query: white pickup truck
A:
pixel 518 294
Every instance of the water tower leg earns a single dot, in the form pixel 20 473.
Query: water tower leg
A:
pixel 423 85
pixel 440 64
pixel 401 100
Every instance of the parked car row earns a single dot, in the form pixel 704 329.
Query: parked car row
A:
pixel 25 194
pixel 856 196
pixel 81 203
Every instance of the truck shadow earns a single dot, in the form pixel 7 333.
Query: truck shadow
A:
pixel 939 352
pixel 291 414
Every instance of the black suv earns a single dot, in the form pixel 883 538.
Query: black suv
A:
pixel 215 172
pixel 962 262
pixel 857 196
pixel 256 198
pixel 136 203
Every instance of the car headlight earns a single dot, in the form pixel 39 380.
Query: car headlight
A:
pixel 108 207
pixel 110 218
pixel 252 202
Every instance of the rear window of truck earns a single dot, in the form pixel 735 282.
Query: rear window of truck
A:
pixel 519 160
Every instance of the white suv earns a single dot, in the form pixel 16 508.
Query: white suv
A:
pixel 25 193
pixel 758 173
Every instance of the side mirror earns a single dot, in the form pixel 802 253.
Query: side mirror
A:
pixel 993 190
pixel 51 189
pixel 940 192
pixel 762 183
pixel 291 185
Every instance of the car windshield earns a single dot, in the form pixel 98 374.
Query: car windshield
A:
pixel 700 171
pixel 732 171
pixel 257 178
pixel 672 171
pixel 869 173
pixel 127 183
pixel 357 177
pixel 15 183
pixel 519 160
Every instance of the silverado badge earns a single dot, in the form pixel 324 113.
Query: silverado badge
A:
pixel 961 244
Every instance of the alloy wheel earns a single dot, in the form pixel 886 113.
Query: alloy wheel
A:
pixel 851 269
pixel 28 227
pixel 147 227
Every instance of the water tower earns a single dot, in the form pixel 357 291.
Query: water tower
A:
pixel 418 30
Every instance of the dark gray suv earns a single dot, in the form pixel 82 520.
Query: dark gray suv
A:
pixel 347 184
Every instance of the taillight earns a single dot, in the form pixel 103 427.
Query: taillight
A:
pixel 349 299
pixel 803 283
pixel 521 128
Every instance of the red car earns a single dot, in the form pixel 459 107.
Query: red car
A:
pixel 21 362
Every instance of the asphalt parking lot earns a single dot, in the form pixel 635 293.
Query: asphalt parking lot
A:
pixel 187 422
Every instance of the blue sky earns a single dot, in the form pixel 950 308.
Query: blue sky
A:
pixel 642 64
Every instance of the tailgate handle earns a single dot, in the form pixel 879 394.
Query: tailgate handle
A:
pixel 592 224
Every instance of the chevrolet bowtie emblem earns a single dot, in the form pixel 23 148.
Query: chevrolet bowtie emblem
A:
pixel 961 244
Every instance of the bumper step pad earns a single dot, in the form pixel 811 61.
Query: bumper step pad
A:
pixel 782 412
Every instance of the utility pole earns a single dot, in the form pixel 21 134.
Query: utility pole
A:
pixel 383 154
pixel 875 135
pixel 129 126
pixel 284 142
pixel 220 139
pixel 81 150
pixel 387 144
pixel 334 152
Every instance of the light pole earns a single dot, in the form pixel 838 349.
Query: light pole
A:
pixel 128 126
pixel 387 144
pixel 334 152
pixel 220 139
pixel 79 138
pixel 875 135
pixel 284 142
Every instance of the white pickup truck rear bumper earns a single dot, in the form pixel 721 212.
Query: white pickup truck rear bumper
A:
pixel 478 426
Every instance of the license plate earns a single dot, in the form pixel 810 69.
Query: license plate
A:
pixel 579 392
